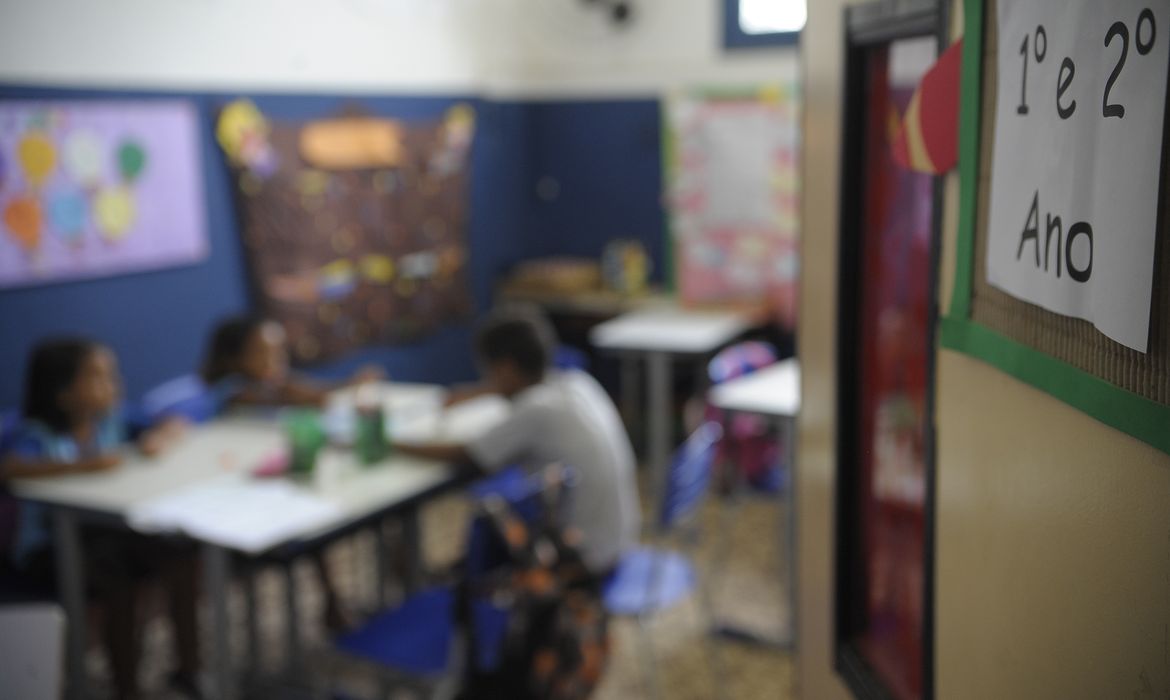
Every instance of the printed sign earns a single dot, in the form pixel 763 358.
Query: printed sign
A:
pixel 1077 161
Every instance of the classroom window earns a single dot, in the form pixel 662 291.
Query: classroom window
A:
pixel 749 23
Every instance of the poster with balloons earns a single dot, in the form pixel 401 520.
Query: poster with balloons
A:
pixel 89 189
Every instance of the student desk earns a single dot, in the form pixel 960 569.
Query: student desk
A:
pixel 773 391
pixel 660 333
pixel 212 467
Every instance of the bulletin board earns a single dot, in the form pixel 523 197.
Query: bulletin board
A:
pixel 1067 357
pixel 97 188
pixel 732 160
pixel 354 226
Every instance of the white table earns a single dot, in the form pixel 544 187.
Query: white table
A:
pixel 219 459
pixel 774 392
pixel 659 334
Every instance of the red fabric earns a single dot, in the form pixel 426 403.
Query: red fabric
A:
pixel 937 119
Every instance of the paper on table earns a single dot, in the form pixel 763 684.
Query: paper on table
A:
pixel 241 515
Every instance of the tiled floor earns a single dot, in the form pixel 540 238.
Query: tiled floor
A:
pixel 748 591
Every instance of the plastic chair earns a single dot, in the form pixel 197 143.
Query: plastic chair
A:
pixel 647 579
pixel 750 449
pixel 421 643
pixel 186 396
pixel 569 357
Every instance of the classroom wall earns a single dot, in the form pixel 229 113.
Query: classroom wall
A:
pixel 1053 531
pixel 508 48
pixel 563 98
pixel 816 347
pixel 158 321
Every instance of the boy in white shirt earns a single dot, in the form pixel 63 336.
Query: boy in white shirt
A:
pixel 557 417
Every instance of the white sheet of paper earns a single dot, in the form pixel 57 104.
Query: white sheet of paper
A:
pixel 740 168
pixel 248 516
pixel 1098 174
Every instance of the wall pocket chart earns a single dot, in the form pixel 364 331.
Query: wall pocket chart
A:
pixel 89 189
pixel 1076 161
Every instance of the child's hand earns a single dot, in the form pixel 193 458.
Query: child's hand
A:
pixel 100 463
pixel 159 439
pixel 368 375
pixel 465 393
pixel 458 396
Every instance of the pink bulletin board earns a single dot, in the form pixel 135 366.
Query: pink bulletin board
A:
pixel 733 193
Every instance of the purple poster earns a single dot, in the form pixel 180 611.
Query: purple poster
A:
pixel 90 189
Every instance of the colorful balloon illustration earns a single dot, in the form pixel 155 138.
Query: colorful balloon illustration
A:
pixel 23 219
pixel 131 160
pixel 67 215
pixel 37 157
pixel 114 211
pixel 82 156
pixel 239 121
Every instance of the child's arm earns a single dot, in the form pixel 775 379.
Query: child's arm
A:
pixel 448 452
pixel 20 467
pixel 466 392
pixel 163 436
pixel 294 392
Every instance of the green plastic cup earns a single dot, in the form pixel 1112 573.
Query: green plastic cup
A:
pixel 306 437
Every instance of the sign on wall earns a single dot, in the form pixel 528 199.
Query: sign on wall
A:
pixel 1077 158
pixel 732 171
pixel 89 189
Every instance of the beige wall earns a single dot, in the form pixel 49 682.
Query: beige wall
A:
pixel 518 48
pixel 1053 530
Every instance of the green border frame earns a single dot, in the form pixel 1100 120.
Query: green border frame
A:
pixel 1130 413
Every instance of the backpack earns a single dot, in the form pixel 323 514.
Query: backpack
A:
pixel 556 641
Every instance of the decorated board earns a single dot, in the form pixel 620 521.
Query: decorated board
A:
pixel 354 227
pixel 89 189
pixel 1064 282
pixel 732 170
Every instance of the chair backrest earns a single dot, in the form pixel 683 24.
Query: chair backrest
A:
pixel 538 498
pixel 569 357
pixel 9 507
pixel 688 476
pixel 740 359
pixel 185 396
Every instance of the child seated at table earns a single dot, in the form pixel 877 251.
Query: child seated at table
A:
pixel 247 364
pixel 557 416
pixel 72 424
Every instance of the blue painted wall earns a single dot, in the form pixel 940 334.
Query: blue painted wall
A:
pixel 605 155
pixel 606 160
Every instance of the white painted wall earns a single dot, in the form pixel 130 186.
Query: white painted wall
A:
pixel 505 47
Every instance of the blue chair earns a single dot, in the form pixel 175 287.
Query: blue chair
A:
pixel 569 357
pixel 187 396
pixel 418 644
pixel 649 579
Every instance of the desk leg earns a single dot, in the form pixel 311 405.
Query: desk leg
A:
pixel 659 417
pixel 295 650
pixel 790 535
pixel 251 608
pixel 215 572
pixel 384 572
pixel 412 543
pixel 71 586
pixel 630 391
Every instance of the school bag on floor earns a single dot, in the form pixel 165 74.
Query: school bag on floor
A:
pixel 556 642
